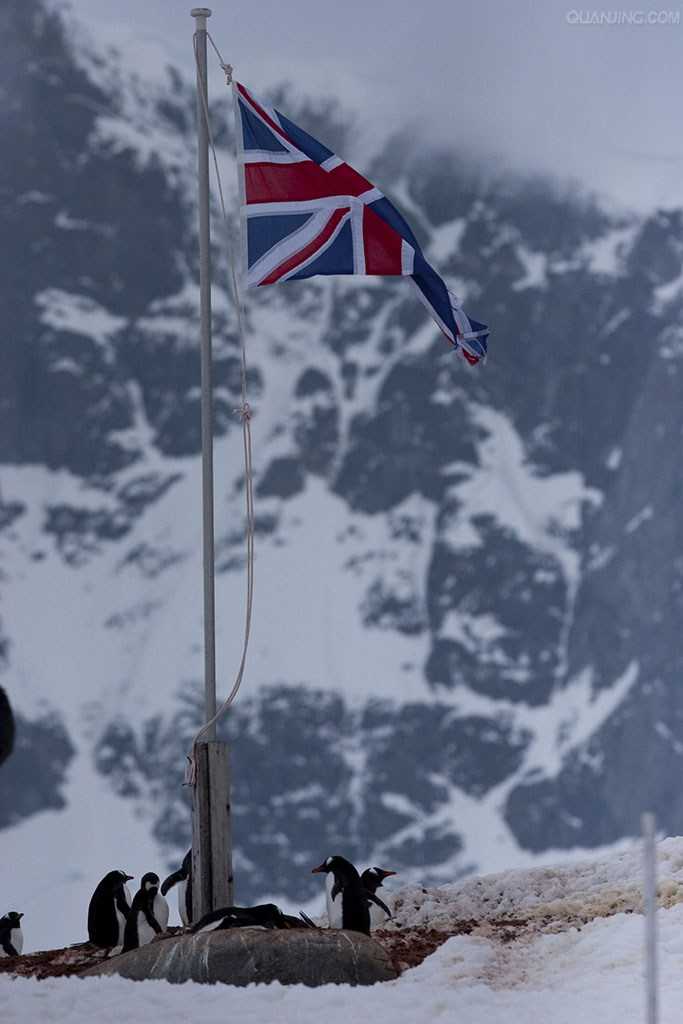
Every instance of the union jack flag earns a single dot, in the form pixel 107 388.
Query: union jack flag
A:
pixel 306 212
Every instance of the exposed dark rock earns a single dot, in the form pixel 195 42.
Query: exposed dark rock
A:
pixel 283 478
pixel 34 776
pixel 518 657
pixel 9 512
pixel 7 728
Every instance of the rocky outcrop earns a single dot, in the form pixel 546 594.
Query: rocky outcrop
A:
pixel 244 956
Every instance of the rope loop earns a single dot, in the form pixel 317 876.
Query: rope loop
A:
pixel 227 68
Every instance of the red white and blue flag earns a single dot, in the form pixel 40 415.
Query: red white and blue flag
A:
pixel 306 212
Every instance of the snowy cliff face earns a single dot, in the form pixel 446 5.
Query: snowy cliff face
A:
pixel 468 582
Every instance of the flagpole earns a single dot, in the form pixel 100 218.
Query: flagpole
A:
pixel 200 14
pixel 211 840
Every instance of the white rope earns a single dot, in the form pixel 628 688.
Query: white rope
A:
pixel 245 414
pixel 227 68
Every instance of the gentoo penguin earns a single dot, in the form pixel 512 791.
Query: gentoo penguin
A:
pixel 265 915
pixel 355 900
pixel 148 915
pixel 11 935
pixel 183 879
pixel 109 909
pixel 371 880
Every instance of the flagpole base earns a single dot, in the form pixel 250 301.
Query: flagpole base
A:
pixel 212 884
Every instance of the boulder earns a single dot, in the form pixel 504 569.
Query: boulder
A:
pixel 242 956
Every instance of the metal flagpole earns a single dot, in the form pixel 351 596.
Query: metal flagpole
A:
pixel 200 14
pixel 650 910
pixel 211 841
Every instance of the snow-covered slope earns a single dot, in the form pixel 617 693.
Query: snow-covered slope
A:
pixel 579 957
pixel 466 645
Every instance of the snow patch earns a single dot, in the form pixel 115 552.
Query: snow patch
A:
pixel 605 255
pixel 535 268
pixel 78 314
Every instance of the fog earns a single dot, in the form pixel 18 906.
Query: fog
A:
pixel 530 86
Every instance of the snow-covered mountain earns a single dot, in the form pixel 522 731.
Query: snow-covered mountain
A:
pixel 468 582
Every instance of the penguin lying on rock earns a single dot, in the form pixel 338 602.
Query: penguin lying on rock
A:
pixel 265 915
pixel 11 935
pixel 183 879
pixel 355 898
pixel 109 909
pixel 148 915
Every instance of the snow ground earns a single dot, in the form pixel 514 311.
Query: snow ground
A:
pixel 557 971
pixel 554 896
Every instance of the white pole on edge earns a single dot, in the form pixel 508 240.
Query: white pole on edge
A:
pixel 211 839
pixel 650 910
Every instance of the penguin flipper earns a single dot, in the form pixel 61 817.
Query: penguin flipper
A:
pixel 336 889
pixel 371 896
pixel 8 948
pixel 152 921
pixel 168 883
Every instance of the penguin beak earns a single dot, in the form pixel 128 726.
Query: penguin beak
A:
pixel 129 877
pixel 320 870
pixel 20 916
pixel 387 874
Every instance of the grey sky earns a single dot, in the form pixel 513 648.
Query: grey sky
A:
pixel 518 82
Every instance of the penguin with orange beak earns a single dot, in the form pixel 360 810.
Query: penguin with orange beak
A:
pixel 349 901
pixel 372 879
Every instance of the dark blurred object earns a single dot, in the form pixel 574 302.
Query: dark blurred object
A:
pixel 6 727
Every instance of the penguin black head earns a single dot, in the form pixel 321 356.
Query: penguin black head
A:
pixel 114 879
pixel 372 878
pixel 12 919
pixel 339 866
pixel 150 882
pixel 323 868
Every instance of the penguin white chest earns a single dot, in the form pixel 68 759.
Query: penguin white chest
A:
pixel 16 938
pixel 121 921
pixel 334 906
pixel 182 904
pixel 120 916
pixel 145 932
pixel 378 917
pixel 161 911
